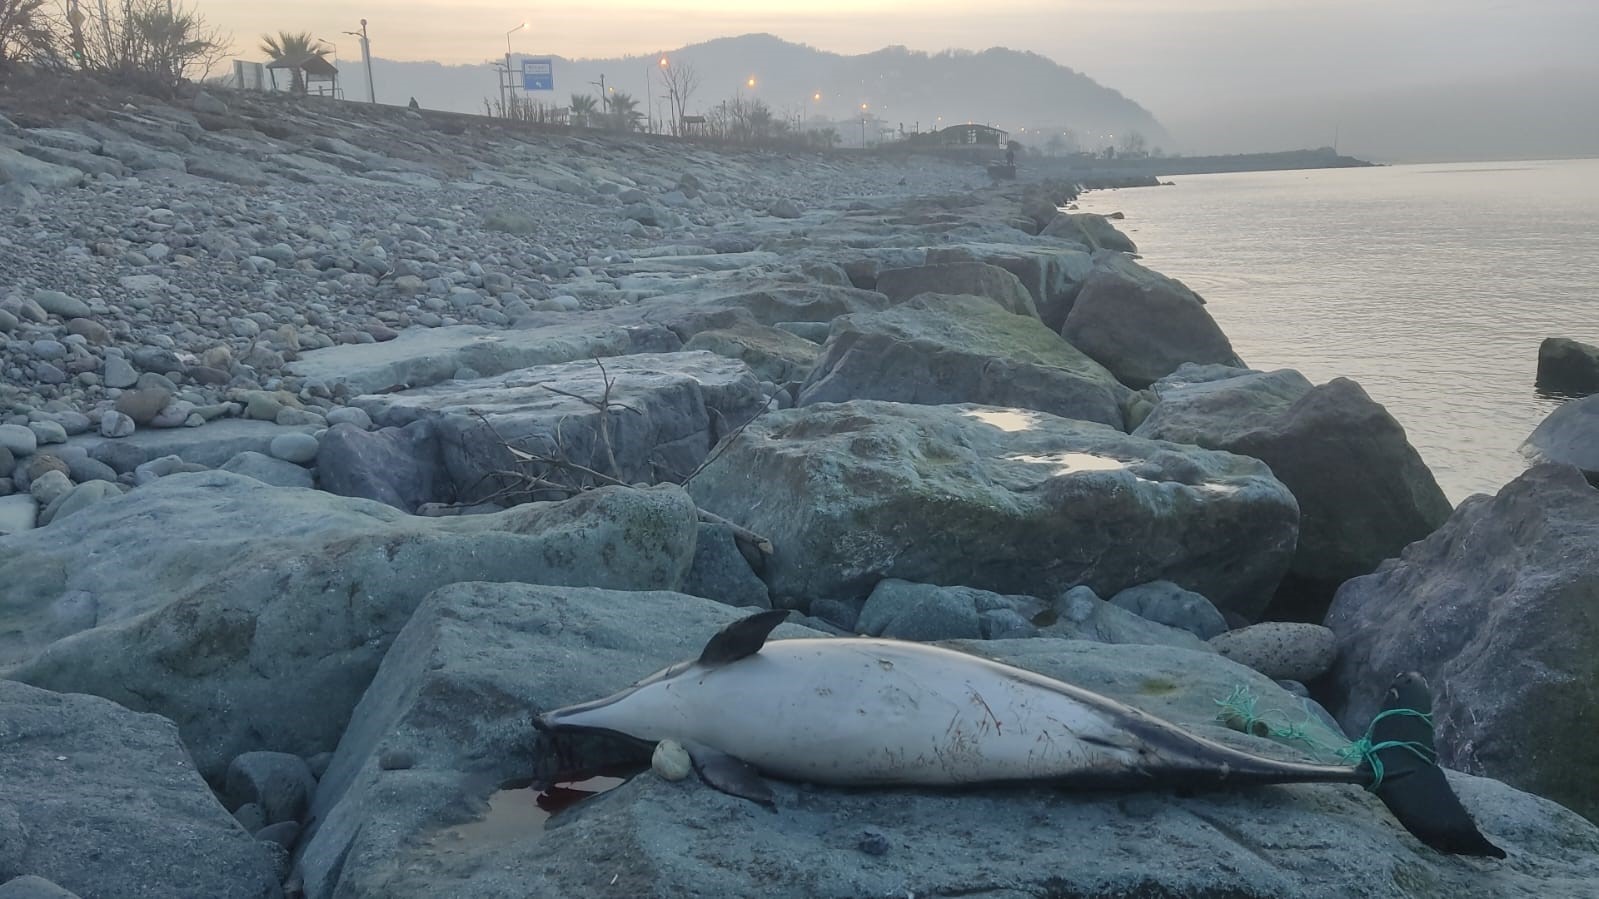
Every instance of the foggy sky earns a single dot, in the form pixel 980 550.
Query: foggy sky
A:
pixel 1179 58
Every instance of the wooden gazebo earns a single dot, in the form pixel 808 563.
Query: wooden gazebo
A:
pixel 313 69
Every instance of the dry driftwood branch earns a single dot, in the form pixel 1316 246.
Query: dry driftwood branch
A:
pixel 537 470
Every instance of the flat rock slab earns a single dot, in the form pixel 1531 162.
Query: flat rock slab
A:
pixel 1006 500
pixel 456 695
pixel 255 616
pixel 422 356
pixel 939 349
pixel 212 444
pixel 667 411
pixel 107 803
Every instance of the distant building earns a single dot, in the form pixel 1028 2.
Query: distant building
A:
pixel 972 136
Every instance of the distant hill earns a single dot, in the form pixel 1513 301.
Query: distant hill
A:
pixel 1006 88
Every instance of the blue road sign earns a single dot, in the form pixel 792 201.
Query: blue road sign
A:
pixel 538 74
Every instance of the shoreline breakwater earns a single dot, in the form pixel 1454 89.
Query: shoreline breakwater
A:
pixel 336 444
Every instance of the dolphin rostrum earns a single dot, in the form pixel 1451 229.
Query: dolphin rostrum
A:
pixel 864 712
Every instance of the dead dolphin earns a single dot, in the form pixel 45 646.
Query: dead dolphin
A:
pixel 862 712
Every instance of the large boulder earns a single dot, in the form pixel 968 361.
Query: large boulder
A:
pixel 772 354
pixel 977 279
pixel 1569 436
pixel 1143 325
pixel 1364 492
pixel 1568 366
pixel 939 349
pixel 107 803
pixel 400 467
pixel 1091 230
pixel 255 616
pixel 20 169
pixel 766 304
pixel 1500 611
pixel 1007 500
pixel 454 701
pixel 1054 277
pixel 661 415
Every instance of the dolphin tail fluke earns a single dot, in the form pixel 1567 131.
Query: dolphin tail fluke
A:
pixel 1406 776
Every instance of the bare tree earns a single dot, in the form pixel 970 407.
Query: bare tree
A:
pixel 1133 144
pixel 159 42
pixel 25 32
pixel 681 81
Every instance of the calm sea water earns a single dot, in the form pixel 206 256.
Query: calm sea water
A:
pixel 1431 285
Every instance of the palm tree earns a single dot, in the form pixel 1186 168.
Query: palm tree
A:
pixel 583 108
pixel 296 47
pixel 624 111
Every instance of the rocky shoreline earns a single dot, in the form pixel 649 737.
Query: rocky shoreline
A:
pixel 336 442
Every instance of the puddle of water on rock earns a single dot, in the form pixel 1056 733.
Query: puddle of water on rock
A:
pixel 518 814
pixel 1070 463
pixel 1004 419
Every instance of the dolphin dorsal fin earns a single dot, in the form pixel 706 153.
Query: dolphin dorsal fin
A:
pixel 741 639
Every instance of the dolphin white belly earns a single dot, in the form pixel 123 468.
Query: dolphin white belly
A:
pixel 871 712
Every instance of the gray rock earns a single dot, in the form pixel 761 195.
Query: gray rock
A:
pixel 1092 231
pixel 279 783
pixel 209 446
pixel 114 424
pixel 815 332
pixel 1006 624
pixel 1495 609
pixel 17 168
pixel 771 353
pixel 49 486
pixel 1005 500
pixel 721 572
pixel 298 448
pixel 105 802
pixel 400 467
pixel 119 373
pixel 677 406
pixel 1568 366
pixel 18 513
pixel 1364 492
pixel 57 303
pixel 784 209
pixel 456 697
pixel 1053 276
pixel 939 349
pixel 424 356
pixel 1281 650
pixel 200 619
pixel 907 611
pixel 971 278
pixel 1166 603
pixel 1569 436
pixel 8 462
pixel 250 816
pixel 19 440
pixel 842 615
pixel 1142 325
pixel 48 432
pixel 267 470
pixel 480 660
pixel 32 886
pixel 767 304
pixel 77 499
pixel 283 833
pixel 349 415
pixel 1210 405
pixel 1079 614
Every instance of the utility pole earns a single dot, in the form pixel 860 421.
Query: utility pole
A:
pixel 605 102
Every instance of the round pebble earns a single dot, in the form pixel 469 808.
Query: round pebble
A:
pixel 671 761
pixel 296 448
pixel 1281 650
pixel 19 439
pixel 116 424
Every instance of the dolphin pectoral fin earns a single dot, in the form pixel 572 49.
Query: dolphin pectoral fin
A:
pixel 741 639
pixel 730 775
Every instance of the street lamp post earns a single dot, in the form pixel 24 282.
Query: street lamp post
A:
pixel 863 126
pixel 366 60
